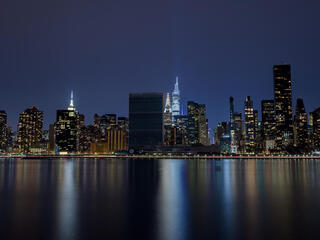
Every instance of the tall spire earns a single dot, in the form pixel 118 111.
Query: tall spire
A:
pixel 175 100
pixel 71 106
pixel 176 86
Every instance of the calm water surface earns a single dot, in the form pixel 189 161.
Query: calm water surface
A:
pixel 159 199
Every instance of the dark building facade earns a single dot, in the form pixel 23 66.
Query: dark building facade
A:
pixel 66 131
pixel 3 130
pixel 283 106
pixel 301 127
pixel 145 121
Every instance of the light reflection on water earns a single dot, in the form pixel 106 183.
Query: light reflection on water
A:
pixel 159 199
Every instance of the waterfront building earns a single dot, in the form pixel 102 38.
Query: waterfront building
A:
pixel 219 131
pixel 88 134
pixel 301 127
pixel 225 143
pixel 10 139
pixel 238 131
pixel 268 124
pixel 99 147
pixel 249 126
pixel 233 145
pixel 181 130
pixel 176 101
pixel 52 139
pixel 3 130
pixel 145 121
pixel 29 129
pixel 283 106
pixel 316 129
pixel 66 127
pixel 170 135
pixel 117 139
pixel 167 115
pixel 197 124
pixel 268 119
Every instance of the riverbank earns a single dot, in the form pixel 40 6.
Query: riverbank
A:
pixel 162 156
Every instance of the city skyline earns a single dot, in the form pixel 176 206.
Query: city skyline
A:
pixel 238 105
pixel 171 119
pixel 156 122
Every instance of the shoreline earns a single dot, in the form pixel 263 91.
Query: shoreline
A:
pixel 101 156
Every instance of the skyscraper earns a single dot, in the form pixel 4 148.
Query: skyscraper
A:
pixel 231 101
pixel 268 119
pixel 300 127
pixel 268 124
pixel 197 129
pixel 175 100
pixel 3 130
pixel 181 130
pixel 233 144
pixel 249 125
pixel 145 121
pixel 167 116
pixel 66 127
pixel 316 129
pixel 29 129
pixel 238 136
pixel 283 105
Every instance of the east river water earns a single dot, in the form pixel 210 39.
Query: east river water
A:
pixel 159 199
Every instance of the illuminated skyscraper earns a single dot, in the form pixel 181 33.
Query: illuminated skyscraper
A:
pixel 3 130
pixel 238 130
pixel 197 129
pixel 249 126
pixel 175 101
pixel 29 129
pixel 283 105
pixel 66 127
pixel 71 105
pixel 268 119
pixel 233 145
pixel 167 116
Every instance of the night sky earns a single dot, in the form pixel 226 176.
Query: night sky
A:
pixel 103 50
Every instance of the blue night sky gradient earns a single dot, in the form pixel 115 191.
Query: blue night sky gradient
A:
pixel 104 50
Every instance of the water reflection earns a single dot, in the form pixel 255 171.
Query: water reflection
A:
pixel 159 199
